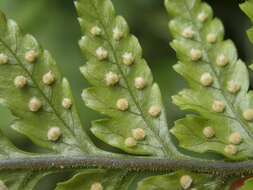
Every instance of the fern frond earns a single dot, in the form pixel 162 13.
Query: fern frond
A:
pixel 218 83
pixel 124 89
pixel 32 87
pixel 99 179
pixel 180 180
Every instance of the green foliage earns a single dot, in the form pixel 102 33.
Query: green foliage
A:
pixel 226 117
pixel 123 90
pixel 103 97
pixel 108 179
pixel 36 119
pixel 171 181
pixel 36 124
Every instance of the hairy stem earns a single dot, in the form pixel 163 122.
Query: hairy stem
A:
pixel 131 164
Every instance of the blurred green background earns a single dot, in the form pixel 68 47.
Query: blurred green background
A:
pixel 54 24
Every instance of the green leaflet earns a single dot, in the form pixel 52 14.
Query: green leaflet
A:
pixel 191 25
pixel 247 7
pixel 108 179
pixel 173 180
pixel 110 49
pixel 35 125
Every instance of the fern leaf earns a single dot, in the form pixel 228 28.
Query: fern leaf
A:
pixel 99 178
pixel 124 89
pixel 125 180
pixel 247 7
pixel 180 180
pixel 32 88
pixel 218 87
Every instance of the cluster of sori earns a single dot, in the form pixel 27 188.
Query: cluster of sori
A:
pixel 112 79
pixel 34 104
pixel 207 80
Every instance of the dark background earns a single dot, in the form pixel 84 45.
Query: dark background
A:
pixel 54 24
